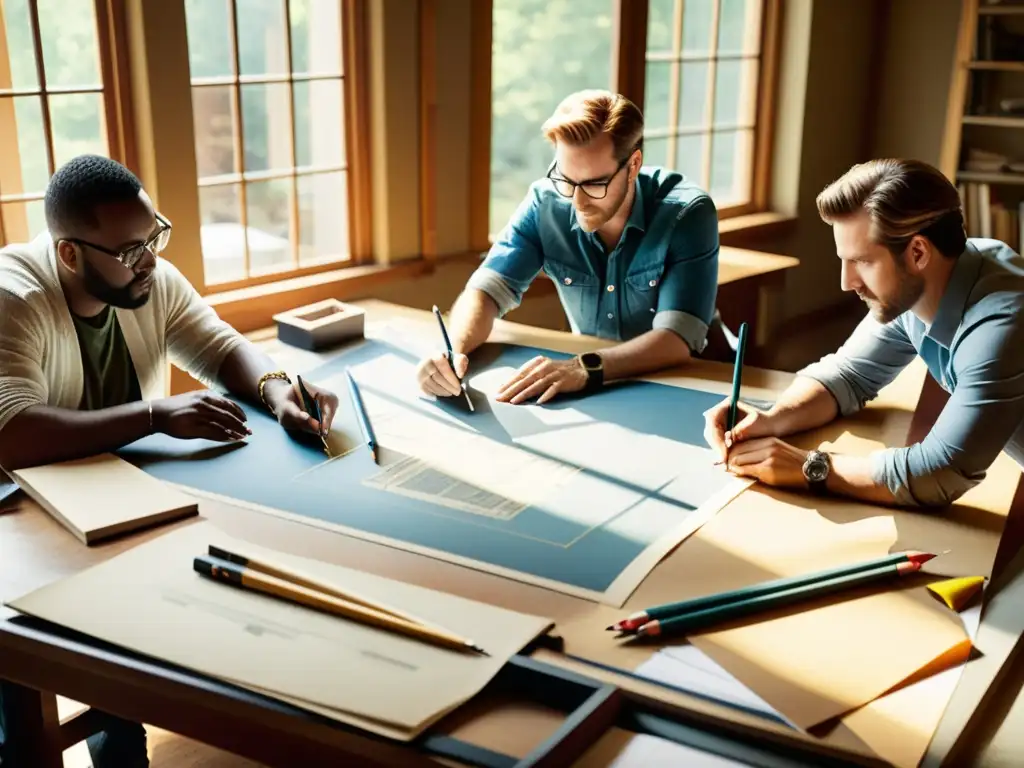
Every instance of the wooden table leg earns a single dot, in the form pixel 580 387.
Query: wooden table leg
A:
pixel 30 738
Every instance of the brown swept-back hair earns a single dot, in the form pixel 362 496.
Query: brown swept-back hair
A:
pixel 903 198
pixel 584 115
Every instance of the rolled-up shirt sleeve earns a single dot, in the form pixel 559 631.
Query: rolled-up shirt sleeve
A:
pixel 689 285
pixel 985 409
pixel 870 359
pixel 514 260
pixel 22 382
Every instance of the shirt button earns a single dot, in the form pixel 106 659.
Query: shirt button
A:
pixel 653 283
pixel 611 316
pixel 567 281
pixel 652 310
pixel 611 288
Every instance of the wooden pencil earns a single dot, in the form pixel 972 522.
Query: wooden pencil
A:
pixel 239 576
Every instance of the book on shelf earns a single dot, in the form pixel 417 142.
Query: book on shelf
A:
pixel 988 214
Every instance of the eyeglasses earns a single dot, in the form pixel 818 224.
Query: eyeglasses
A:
pixel 593 189
pixel 131 255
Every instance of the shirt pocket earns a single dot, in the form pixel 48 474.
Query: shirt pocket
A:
pixel 641 294
pixel 578 291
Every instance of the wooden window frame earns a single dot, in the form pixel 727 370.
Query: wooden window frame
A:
pixel 113 87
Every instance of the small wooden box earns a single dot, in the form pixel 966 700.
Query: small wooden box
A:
pixel 323 324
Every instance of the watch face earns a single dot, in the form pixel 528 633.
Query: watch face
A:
pixel 591 360
pixel 817 470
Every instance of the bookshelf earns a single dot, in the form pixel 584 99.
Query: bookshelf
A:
pixel 983 150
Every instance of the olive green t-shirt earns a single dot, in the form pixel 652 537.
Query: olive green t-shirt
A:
pixel 110 377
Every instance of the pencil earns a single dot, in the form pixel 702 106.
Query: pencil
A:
pixel 246 578
pixel 451 354
pixel 312 407
pixel 737 376
pixel 282 572
pixel 690 622
pixel 364 419
pixel 686 607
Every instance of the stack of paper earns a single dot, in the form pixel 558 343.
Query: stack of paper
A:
pixel 156 604
pixel 103 496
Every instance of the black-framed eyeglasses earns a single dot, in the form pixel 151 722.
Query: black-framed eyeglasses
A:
pixel 593 189
pixel 131 255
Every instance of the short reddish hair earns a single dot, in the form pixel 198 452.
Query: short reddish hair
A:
pixel 584 115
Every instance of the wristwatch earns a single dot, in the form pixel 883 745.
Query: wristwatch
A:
pixel 816 470
pixel 592 363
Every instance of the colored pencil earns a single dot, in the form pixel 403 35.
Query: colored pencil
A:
pixel 364 418
pixel 737 376
pixel 312 407
pixel 240 576
pixel 451 354
pixel 690 622
pixel 687 607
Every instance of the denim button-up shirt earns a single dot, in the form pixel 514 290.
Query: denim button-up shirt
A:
pixel 663 273
pixel 974 349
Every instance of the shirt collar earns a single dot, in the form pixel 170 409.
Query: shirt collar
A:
pixel 951 306
pixel 637 218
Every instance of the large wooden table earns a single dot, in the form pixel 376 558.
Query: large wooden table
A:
pixel 35 550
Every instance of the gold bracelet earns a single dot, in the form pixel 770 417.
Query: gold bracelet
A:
pixel 266 377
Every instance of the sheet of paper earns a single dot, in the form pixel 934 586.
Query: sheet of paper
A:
pixel 155 603
pixel 624 749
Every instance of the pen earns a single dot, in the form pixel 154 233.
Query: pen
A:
pixel 364 420
pixel 451 354
pixel 737 375
pixel 313 409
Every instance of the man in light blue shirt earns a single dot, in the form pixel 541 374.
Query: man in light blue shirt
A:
pixel 932 292
pixel 632 251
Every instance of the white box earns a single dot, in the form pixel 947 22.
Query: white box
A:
pixel 323 324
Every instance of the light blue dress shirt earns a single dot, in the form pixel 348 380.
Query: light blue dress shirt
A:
pixel 974 349
pixel 663 273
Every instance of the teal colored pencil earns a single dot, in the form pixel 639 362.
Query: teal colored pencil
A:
pixel 691 622
pixel 737 376
pixel 707 602
pixel 364 419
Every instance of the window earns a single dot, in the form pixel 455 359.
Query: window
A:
pixel 701 92
pixel 54 101
pixel 542 50
pixel 268 95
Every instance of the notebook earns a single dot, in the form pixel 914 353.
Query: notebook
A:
pixel 103 496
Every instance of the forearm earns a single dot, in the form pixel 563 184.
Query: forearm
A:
pixel 471 320
pixel 44 435
pixel 652 351
pixel 852 476
pixel 241 371
pixel 804 405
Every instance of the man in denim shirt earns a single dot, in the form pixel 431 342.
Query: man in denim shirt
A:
pixel 958 303
pixel 632 251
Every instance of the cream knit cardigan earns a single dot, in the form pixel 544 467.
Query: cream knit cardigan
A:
pixel 40 359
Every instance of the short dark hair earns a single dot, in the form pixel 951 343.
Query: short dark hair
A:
pixel 80 185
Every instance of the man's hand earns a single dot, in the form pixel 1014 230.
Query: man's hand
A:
pixel 749 424
pixel 201 414
pixel 544 377
pixel 286 404
pixel 436 377
pixel 770 461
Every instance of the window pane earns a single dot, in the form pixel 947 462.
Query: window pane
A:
pixel 736 92
pixel 319 127
pixel 316 36
pixel 261 37
pixel 268 204
pixel 266 126
pixel 697 27
pixel 78 126
pixel 690 156
pixel 656 95
pixel 29 175
pixel 693 94
pixel 661 16
pixel 209 37
pixel 222 235
pixel 20 48
pixel 214 122
pixel 542 51
pixel 70 50
pixel 656 151
pixel 323 218
pixel 22 221
pixel 739 27
pixel 731 163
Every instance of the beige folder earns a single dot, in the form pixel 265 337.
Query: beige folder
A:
pixel 103 496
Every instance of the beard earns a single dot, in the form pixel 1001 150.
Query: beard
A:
pixel 598 217
pixel 124 297
pixel 908 291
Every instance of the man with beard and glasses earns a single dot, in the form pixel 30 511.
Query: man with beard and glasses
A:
pixel 931 291
pixel 90 315
pixel 632 251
